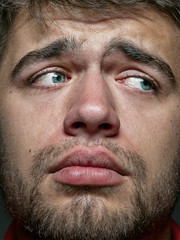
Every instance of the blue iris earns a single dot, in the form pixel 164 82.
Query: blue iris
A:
pixel 146 85
pixel 58 78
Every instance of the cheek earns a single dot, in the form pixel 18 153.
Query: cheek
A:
pixel 29 125
pixel 150 126
pixel 155 135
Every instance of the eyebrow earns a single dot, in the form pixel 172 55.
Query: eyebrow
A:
pixel 134 52
pixel 55 49
pixel 70 44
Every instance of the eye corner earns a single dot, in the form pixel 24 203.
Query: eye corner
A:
pixel 49 77
pixel 120 80
pixel 138 81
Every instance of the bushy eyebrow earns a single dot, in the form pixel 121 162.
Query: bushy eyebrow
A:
pixel 55 49
pixel 134 52
pixel 71 45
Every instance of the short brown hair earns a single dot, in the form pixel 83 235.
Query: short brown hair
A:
pixel 9 9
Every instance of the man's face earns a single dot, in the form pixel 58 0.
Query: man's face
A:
pixel 90 126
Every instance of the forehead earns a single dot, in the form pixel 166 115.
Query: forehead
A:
pixel 148 29
pixel 137 24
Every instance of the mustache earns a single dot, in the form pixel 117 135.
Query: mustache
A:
pixel 44 158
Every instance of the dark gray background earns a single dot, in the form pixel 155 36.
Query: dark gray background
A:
pixel 5 219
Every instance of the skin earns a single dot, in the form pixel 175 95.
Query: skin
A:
pixel 35 116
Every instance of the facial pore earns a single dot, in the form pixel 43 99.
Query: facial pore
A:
pixel 86 215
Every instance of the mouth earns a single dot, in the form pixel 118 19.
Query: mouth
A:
pixel 89 166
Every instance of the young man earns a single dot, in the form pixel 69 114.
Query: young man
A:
pixel 90 118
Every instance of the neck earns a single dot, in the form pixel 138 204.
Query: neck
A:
pixel 163 234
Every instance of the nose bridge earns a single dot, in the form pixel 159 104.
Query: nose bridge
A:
pixel 92 109
pixel 94 93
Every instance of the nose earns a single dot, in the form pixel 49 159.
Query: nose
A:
pixel 92 110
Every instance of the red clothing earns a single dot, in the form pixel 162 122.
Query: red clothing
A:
pixel 15 233
pixel 175 231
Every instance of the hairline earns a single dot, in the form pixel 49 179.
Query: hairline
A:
pixel 39 16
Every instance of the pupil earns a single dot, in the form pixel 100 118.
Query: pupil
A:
pixel 146 85
pixel 58 78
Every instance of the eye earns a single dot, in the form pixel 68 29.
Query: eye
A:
pixel 140 83
pixel 45 78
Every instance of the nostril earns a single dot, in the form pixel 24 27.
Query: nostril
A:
pixel 105 126
pixel 80 122
pixel 78 125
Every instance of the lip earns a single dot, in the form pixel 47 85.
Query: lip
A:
pixel 89 166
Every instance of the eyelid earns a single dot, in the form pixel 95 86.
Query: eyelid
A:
pixel 135 74
pixel 48 70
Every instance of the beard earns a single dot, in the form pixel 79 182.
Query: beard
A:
pixel 86 216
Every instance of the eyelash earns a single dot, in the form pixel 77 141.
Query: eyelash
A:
pixel 46 71
pixel 123 78
pixel 155 85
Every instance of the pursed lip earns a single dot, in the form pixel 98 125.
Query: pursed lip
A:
pixel 89 166
pixel 98 157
